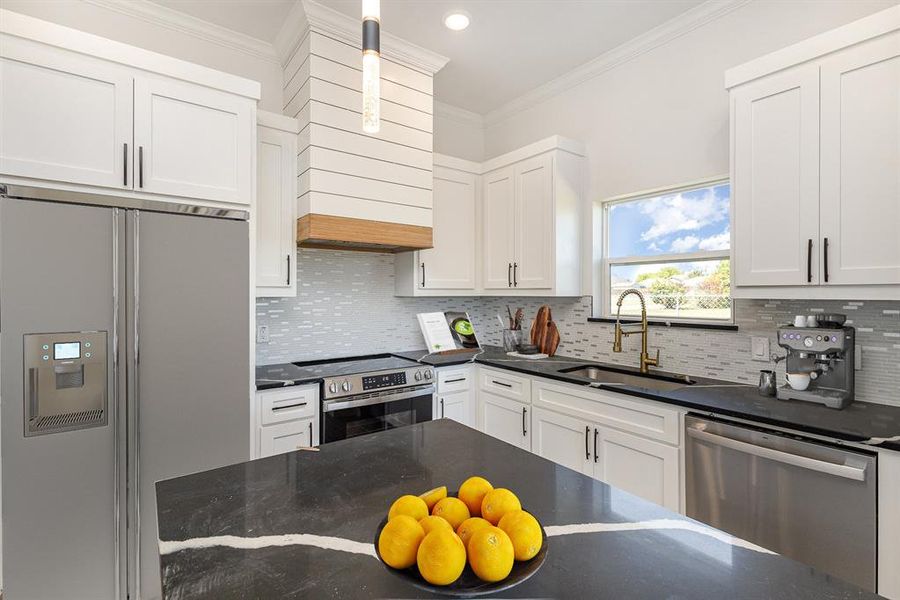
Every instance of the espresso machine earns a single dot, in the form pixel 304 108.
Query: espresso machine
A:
pixel 826 354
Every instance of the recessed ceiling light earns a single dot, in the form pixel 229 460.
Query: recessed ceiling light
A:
pixel 457 21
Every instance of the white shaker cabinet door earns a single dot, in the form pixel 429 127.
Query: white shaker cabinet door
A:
pixel 563 439
pixel 287 437
pixel 193 141
pixel 775 185
pixel 64 116
pixel 860 196
pixel 639 466
pixel 505 419
pixel 456 406
pixel 533 263
pixel 450 264
pixel 499 202
pixel 276 202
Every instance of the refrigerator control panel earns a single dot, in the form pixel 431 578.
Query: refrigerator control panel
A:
pixel 66 384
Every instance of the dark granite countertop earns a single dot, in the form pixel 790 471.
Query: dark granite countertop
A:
pixel 861 422
pixel 301 525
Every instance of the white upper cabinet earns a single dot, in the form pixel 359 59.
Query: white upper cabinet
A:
pixel 276 205
pixel 533 265
pixel 450 265
pixel 860 195
pixel 499 228
pixel 63 116
pixel 193 141
pixel 84 113
pixel 815 157
pixel 776 179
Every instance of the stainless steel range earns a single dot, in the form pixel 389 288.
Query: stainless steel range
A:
pixel 367 395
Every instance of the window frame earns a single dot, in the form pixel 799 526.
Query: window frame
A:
pixel 603 290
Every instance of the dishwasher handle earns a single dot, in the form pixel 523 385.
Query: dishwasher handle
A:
pixel 804 462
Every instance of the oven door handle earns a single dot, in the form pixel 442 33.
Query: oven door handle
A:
pixel 333 405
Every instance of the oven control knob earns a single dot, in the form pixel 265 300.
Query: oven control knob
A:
pixel 346 386
pixel 418 375
pixel 332 387
pixel 427 375
pixel 808 341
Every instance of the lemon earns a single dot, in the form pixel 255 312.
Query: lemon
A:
pixel 524 531
pixel 430 523
pixel 472 492
pixel 453 510
pixel 470 526
pixel 491 554
pixel 431 497
pixel 399 541
pixel 441 557
pixel 412 506
pixel 497 503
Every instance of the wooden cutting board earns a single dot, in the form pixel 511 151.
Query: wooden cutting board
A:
pixel 544 333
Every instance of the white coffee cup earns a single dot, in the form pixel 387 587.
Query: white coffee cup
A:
pixel 798 381
pixel 799 321
pixel 811 321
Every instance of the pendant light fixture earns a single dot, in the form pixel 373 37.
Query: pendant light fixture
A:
pixel 371 65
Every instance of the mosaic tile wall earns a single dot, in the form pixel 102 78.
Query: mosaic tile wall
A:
pixel 345 307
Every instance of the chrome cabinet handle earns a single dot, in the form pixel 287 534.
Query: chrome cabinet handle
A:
pixel 587 451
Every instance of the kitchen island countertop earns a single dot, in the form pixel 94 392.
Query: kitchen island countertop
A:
pixel 301 525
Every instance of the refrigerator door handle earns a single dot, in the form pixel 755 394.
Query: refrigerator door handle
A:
pixel 114 417
pixel 135 398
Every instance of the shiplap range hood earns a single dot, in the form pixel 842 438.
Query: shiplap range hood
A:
pixel 356 190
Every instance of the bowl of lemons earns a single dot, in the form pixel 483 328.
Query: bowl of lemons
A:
pixel 473 542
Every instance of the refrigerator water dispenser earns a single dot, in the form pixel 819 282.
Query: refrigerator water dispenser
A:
pixel 65 381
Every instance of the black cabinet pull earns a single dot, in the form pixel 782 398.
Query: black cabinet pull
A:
pixel 140 166
pixel 825 252
pixel 288 406
pixel 515 274
pixel 457 380
pixel 809 261
pixel 506 385
pixel 125 164
pixel 509 274
pixel 524 415
pixel 310 435
pixel 442 408
pixel 423 274
pixel 289 269
pixel 587 451
pixel 595 444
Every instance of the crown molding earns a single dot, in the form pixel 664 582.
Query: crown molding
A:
pixel 159 15
pixel 670 30
pixel 327 21
pixel 457 114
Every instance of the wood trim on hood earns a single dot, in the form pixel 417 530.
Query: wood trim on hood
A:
pixel 346 233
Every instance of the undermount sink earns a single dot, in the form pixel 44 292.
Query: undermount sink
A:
pixel 615 377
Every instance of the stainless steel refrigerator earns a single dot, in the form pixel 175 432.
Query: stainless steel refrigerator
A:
pixel 125 353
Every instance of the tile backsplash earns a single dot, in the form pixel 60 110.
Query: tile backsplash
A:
pixel 345 306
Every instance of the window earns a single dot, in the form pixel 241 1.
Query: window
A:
pixel 672 246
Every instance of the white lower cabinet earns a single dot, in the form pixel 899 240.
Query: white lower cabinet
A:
pixel 287 419
pixel 563 439
pixel 505 419
pixel 456 406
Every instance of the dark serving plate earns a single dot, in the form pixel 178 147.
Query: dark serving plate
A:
pixel 468 585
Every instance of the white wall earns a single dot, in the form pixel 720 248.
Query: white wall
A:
pixel 128 29
pixel 662 118
pixel 458 132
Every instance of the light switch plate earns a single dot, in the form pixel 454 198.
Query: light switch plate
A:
pixel 262 334
pixel 759 348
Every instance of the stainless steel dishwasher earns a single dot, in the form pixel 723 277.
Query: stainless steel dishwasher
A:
pixel 807 500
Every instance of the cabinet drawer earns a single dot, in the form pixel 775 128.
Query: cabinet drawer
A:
pixel 278 406
pixel 453 380
pixel 503 383
pixel 287 437
pixel 627 413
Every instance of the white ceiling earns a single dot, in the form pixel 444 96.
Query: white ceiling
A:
pixel 511 46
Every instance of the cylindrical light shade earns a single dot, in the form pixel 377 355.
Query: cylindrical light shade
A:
pixel 371 67
pixel 371 92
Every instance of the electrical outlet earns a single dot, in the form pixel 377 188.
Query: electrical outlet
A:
pixel 262 334
pixel 759 348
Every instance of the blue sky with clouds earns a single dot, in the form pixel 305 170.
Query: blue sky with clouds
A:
pixel 690 221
